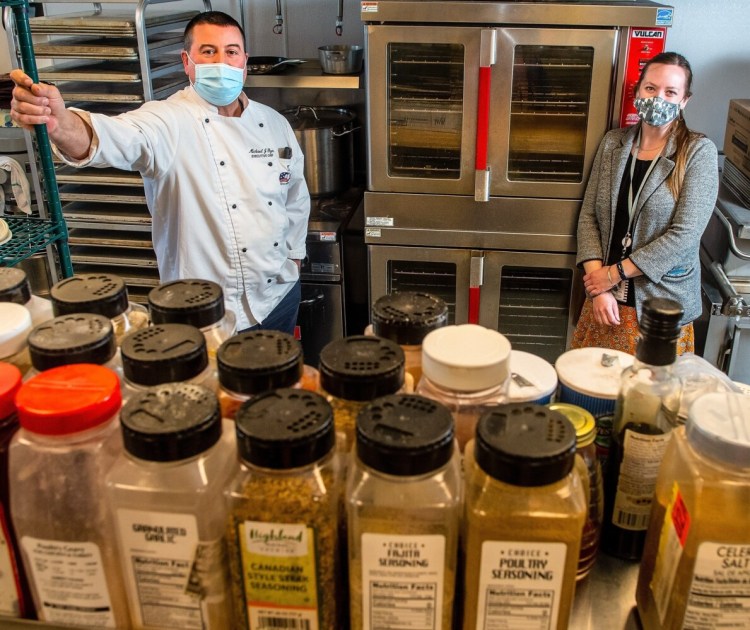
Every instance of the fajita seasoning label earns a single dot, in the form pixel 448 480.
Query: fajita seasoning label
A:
pixel 279 567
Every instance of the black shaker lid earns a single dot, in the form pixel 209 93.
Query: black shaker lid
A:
pixel 199 303
pixel 171 422
pixel 163 354
pixel 100 293
pixel 407 316
pixel 525 444
pixel 68 339
pixel 285 428
pixel 404 435
pixel 258 361
pixel 660 329
pixel 361 367
pixel 14 285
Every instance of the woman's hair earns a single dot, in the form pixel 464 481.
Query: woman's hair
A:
pixel 217 18
pixel 682 135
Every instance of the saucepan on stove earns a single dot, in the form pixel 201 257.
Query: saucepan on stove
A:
pixel 325 136
pixel 270 65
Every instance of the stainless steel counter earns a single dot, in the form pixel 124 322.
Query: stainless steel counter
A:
pixel 605 599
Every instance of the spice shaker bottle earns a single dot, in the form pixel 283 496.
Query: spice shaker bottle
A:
pixel 68 339
pixel 354 371
pixel 68 441
pixel 166 495
pixel 407 317
pixel 591 475
pixel 695 562
pixel 404 508
pixel 466 368
pixel 199 303
pixel 165 353
pixel 101 293
pixel 15 597
pixel 283 513
pixel 525 510
pixel 15 326
pixel 645 414
pixel 256 362
pixel 15 287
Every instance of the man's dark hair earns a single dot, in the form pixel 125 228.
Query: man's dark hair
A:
pixel 217 18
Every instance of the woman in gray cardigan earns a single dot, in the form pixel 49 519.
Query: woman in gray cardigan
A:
pixel 649 197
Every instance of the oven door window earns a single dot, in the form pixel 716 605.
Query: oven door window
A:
pixel 436 278
pixel 425 110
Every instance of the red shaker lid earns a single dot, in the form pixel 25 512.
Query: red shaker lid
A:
pixel 10 381
pixel 68 399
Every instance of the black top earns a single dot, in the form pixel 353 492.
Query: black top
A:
pixel 622 219
pixel 199 303
pixel 14 286
pixel 100 293
pixel 68 339
pixel 407 317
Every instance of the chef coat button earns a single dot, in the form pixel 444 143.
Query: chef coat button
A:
pixel 234 206
pixel 269 281
pixel 260 124
pixel 270 164
pixel 244 249
pixel 222 163
pixel 270 203
pixel 207 120
pixel 275 244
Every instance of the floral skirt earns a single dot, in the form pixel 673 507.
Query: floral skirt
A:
pixel 624 337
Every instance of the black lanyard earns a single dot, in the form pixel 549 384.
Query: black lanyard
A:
pixel 627 240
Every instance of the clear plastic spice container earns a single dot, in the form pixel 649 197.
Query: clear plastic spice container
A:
pixel 101 293
pixel 15 326
pixel 694 571
pixel 68 441
pixel 199 303
pixel 404 509
pixel 68 339
pixel 166 495
pixel 15 597
pixel 14 287
pixel 283 513
pixel 525 510
pixel 466 368
pixel 256 362
pixel 167 353
pixel 591 474
pixel 407 317
pixel 354 371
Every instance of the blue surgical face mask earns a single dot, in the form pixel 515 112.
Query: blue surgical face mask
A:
pixel 655 111
pixel 218 83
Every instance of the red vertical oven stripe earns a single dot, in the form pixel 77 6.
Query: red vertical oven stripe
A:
pixel 474 304
pixel 483 117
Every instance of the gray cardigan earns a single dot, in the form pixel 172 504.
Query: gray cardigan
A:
pixel 666 234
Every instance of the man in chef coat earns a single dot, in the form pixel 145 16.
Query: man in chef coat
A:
pixel 223 175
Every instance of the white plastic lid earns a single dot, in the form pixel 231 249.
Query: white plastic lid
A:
pixel 467 357
pixel 15 326
pixel 531 377
pixel 594 372
pixel 718 426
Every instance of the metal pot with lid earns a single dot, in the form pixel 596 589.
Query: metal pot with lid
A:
pixel 325 136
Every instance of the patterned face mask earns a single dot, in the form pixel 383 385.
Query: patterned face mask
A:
pixel 655 111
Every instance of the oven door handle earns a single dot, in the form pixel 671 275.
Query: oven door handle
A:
pixel 487 54
pixel 732 242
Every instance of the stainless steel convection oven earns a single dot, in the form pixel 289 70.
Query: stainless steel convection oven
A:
pixel 483 121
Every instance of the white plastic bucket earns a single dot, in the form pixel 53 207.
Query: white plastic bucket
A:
pixel 532 379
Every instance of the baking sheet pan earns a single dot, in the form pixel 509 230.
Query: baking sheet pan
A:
pixel 85 212
pixel 107 239
pixel 102 194
pixel 101 176
pixel 107 48
pixel 105 72
pixel 81 91
pixel 101 23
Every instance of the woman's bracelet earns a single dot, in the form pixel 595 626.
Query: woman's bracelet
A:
pixel 609 276
pixel 621 271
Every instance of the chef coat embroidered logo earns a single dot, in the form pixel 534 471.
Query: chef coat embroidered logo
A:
pixel 261 153
pixel 284 177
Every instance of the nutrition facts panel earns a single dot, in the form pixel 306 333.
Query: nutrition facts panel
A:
pixel 508 608
pixel 397 602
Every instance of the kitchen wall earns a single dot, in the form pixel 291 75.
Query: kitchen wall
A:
pixel 712 35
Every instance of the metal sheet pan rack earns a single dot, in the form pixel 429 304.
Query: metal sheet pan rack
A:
pixel 110 59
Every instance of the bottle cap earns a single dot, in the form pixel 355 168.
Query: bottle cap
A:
pixel 171 422
pixel 582 420
pixel 718 427
pixel 285 428
pixel 163 354
pixel 101 293
pixel 407 316
pixel 14 285
pixel 405 435
pixel 68 399
pixel 361 367
pixel 15 325
pixel 199 303
pixel 532 378
pixel 80 338
pixel 10 383
pixel 466 358
pixel 524 444
pixel 258 361
pixel 660 328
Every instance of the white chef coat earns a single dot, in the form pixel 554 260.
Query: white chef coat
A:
pixel 225 205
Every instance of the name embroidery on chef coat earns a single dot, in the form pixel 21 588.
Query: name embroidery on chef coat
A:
pixel 264 153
